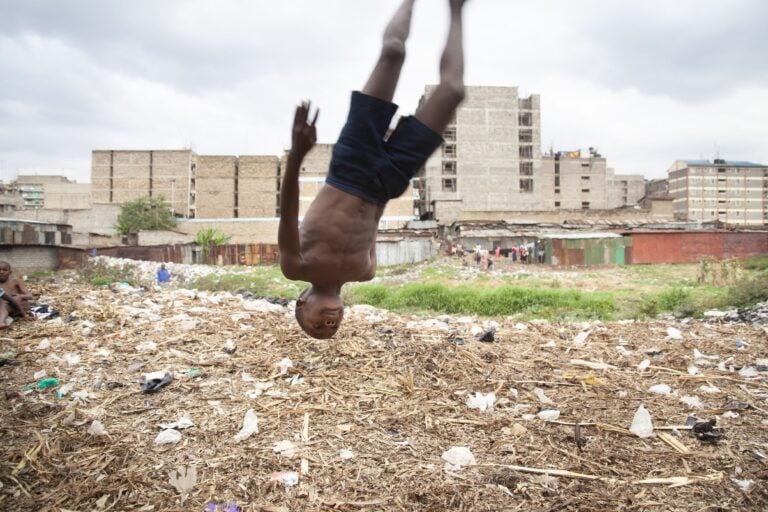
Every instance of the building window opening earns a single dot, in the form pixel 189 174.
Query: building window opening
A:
pixel 526 185
pixel 526 151
pixel 526 136
pixel 449 168
pixel 525 119
pixel 449 150
pixel 585 205
pixel 450 133
pixel 449 184
pixel 526 168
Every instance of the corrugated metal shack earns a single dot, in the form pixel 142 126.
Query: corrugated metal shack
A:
pixel 691 246
pixel 32 232
pixel 489 236
pixel 400 247
pixel 585 248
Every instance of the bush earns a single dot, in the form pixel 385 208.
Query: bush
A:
pixel 99 273
pixel 749 291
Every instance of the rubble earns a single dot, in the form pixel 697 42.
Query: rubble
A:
pixel 376 416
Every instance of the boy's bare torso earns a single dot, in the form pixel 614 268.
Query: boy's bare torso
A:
pixel 337 238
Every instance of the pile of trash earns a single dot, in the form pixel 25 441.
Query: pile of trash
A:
pixel 159 399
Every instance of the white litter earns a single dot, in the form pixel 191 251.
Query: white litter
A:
pixel 642 426
pixel 513 392
pixel 285 448
pixel 97 429
pixel 44 344
pixel 458 457
pixel 748 372
pixel 168 436
pixel 482 401
pixel 147 346
pixel 182 423
pixel 250 426
pixel 645 363
pixel 730 414
pixel 549 415
pixel 673 334
pixel 40 374
pixel 623 351
pixel 581 338
pixel 692 370
pixel 744 485
pixel 346 454
pixel 692 401
pixel 521 327
pixel 72 359
pixel 699 355
pixel 661 389
pixel 710 390
pixel 544 399
pixel 287 478
pixel 284 364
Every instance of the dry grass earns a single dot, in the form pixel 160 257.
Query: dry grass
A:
pixel 396 400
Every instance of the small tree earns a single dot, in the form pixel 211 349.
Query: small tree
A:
pixel 145 213
pixel 209 238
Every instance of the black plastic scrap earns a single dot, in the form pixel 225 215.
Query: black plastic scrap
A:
pixel 154 385
pixel 705 432
pixel 487 336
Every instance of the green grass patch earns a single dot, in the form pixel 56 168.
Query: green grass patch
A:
pixel 749 291
pixel 264 282
pixel 758 263
pixel 497 301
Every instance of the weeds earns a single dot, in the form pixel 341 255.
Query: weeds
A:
pixel 502 300
pixel 98 273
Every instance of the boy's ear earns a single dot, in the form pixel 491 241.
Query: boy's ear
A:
pixel 300 302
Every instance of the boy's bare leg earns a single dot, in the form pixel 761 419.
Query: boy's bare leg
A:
pixel 383 80
pixel 441 105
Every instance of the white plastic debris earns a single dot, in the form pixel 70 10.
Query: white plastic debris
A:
pixel 458 457
pixel 295 380
pixel 581 338
pixel 261 306
pixel 549 415
pixel 484 402
pixel 544 399
pixel 250 426
pixel 147 346
pixel 285 448
pixel 744 485
pixel 97 429
pixel 623 351
pixel 710 390
pixel 592 364
pixel 645 363
pixel 168 436
pixel 692 370
pixel 549 344
pixel 673 334
pixel 693 402
pixel 40 374
pixel 346 454
pixel 513 392
pixel 748 372
pixel 65 389
pixel 730 414
pixel 44 344
pixel 642 426
pixel 661 389
pixel 72 359
pixel 521 327
pixel 182 423
pixel 287 478
pixel 260 387
pixel 698 355
pixel 284 364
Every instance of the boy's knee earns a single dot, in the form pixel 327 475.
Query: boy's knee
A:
pixel 454 89
pixel 393 49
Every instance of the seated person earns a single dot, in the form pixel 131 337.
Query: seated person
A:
pixel 14 296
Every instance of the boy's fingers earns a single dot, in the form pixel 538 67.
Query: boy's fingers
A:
pixel 314 119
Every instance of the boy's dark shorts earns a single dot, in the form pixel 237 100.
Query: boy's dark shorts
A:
pixel 366 165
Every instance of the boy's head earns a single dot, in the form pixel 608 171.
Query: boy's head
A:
pixel 319 313
pixel 5 271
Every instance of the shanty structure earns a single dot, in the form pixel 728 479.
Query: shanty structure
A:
pixel 585 248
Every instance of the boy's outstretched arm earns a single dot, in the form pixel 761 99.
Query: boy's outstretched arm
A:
pixel 303 138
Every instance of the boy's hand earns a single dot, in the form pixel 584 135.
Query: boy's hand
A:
pixel 304 133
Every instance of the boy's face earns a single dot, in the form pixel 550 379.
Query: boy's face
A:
pixel 5 272
pixel 321 314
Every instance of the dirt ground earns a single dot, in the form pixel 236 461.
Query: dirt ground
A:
pixel 365 419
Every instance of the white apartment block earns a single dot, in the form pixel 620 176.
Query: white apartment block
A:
pixel 731 192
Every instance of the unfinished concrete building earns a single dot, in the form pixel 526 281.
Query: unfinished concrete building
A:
pixel 118 177
pixel 50 192
pixel 573 182
pixel 491 163
pixel 490 157
pixel 732 192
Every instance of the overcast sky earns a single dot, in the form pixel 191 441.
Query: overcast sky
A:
pixel 645 82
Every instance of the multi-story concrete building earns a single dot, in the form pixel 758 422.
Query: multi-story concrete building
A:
pixel 490 157
pixel 217 187
pixel 491 162
pixel 48 191
pixel 730 192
